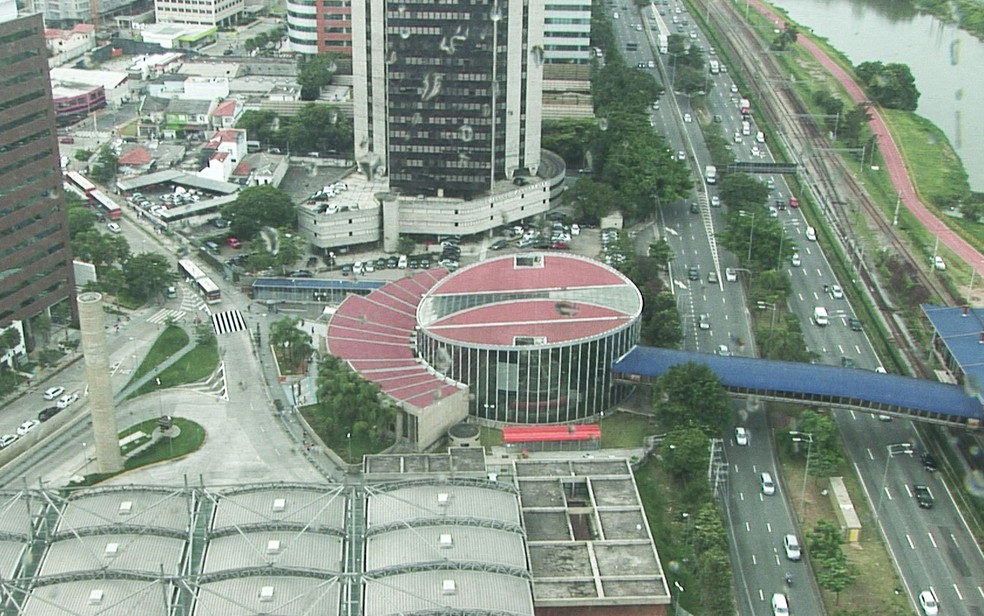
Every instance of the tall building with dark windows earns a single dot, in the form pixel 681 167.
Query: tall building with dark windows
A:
pixel 447 94
pixel 35 258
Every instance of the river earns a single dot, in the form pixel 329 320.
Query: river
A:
pixel 945 62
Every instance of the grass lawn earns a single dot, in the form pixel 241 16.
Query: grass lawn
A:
pixel 169 342
pixel 194 366
pixel 190 439
pixel 625 431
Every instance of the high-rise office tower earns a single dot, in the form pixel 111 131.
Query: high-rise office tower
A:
pixel 35 258
pixel 447 94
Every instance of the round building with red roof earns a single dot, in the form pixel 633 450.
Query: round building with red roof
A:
pixel 532 335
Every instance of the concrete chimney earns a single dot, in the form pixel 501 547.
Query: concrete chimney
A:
pixel 92 319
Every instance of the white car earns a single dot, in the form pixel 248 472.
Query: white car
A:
pixel 114 228
pixel 737 137
pixel 723 351
pixel 741 436
pixel 927 601
pixel 7 439
pixel 796 260
pixel 730 275
pixel 836 291
pixel 681 155
pixel 67 400
pixel 755 151
pixel 704 322
pixel 939 263
pixel 27 426
pixel 734 89
pixel 688 118
pixel 715 201
pixel 53 392
pixel 791 544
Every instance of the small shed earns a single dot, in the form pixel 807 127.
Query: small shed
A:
pixel 570 437
pixel 847 517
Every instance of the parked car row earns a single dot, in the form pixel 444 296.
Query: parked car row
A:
pixel 62 401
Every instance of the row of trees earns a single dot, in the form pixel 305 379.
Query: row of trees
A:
pixel 849 125
pixel 349 404
pixel 315 128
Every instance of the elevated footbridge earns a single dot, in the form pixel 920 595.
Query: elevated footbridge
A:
pixel 816 385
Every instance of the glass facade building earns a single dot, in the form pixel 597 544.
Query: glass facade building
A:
pixel 447 95
pixel 35 256
pixel 534 336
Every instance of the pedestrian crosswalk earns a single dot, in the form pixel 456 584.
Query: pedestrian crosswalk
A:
pixel 228 322
pixel 164 314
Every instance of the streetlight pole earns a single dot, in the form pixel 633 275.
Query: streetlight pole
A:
pixel 892 450
pixel 799 437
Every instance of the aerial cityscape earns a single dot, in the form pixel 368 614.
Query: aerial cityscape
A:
pixel 381 307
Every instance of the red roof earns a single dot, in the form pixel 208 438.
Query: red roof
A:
pixel 136 156
pixel 225 108
pixel 219 156
pixel 553 434
pixel 557 321
pixel 557 272
pixel 243 168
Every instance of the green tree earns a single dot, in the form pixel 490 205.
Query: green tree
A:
pixel 890 85
pixel 147 275
pixel 660 319
pixel 292 344
pixel 756 239
pixel 591 200
pixel 321 128
pixel 661 252
pixel 689 79
pixel 257 207
pixel 347 403
pixel 83 155
pixel 740 191
pixel 259 125
pixel 9 338
pixel 406 245
pixel 104 169
pixel 690 395
pixel 826 452
pixel 314 73
pixel 80 217
pixel 714 575
pixel 98 248
pixel 685 453
pixel 292 247
pixel 853 123
pixel 569 138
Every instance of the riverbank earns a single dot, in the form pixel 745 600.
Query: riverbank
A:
pixel 969 14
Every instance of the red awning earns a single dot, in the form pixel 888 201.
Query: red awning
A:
pixel 534 434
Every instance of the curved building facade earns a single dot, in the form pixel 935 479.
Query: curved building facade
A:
pixel 533 335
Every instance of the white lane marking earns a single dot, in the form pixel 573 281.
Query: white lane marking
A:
pixel 931 540
pixel 956 589
pixel 871 456
pixel 912 546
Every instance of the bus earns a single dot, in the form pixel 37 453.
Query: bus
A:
pixel 106 205
pixel 80 183
pixel 202 283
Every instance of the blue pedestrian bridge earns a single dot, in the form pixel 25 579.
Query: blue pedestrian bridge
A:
pixel 816 385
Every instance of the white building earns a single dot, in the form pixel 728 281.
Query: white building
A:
pixel 567 32
pixel 66 45
pixel 202 12
pixel 115 84
pixel 227 148
pixel 177 35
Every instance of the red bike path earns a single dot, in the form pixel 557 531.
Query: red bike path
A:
pixel 897 171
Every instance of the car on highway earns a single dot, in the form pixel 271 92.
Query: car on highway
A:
pixel 704 321
pixel 928 462
pixel 27 426
pixel 712 277
pixel 730 274
pixel 53 392
pixel 114 228
pixel 48 413
pixel 780 605
pixel 688 118
pixel 796 260
pixel 715 201
pixel 67 400
pixel 741 436
pixel 7 439
pixel 723 351
pixel 854 324
pixel 737 138
pixel 923 496
pixel 836 291
pixel 693 273
pixel 792 547
pixel 734 89
pixel 793 201
pixel 681 155
pixel 768 485
pixel 694 208
pixel 927 601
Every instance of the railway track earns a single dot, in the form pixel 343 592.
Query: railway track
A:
pixel 835 188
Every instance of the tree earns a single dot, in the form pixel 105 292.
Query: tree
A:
pixel 82 155
pixel 853 123
pixel 259 125
pixel 827 454
pixel 755 238
pixel 591 200
pixel 690 395
pixel 890 85
pixel 9 338
pixel 98 248
pixel 784 39
pixel 685 453
pixel 292 344
pixel 314 73
pixel 147 275
pixel 714 574
pixel 321 128
pixel 259 206
pixel 406 245
pixel 291 248
pixel 80 217
pixel 661 252
pixel 689 79
pixel 740 191
pixel 104 169
pixel 569 138
pixel 347 403
pixel 660 319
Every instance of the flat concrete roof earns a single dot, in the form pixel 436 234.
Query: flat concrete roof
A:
pixel 458 460
pixel 308 505
pixel 415 501
pixel 455 591
pixel 165 509
pixel 448 542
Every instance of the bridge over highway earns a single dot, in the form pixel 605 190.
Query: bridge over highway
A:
pixel 816 385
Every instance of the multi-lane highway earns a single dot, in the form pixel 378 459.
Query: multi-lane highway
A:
pixel 933 548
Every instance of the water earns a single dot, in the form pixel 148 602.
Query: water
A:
pixel 945 62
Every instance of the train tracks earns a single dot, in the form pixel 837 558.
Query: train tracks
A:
pixel 834 186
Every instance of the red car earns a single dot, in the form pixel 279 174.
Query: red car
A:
pixel 793 201
pixel 560 246
pixel 234 243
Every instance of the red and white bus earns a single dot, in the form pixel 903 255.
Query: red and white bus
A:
pixel 203 284
pixel 80 184
pixel 106 205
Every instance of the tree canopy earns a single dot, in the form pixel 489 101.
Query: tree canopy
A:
pixel 689 395
pixel 316 127
pixel 257 207
pixel 347 403
pixel 314 73
pixel 147 275
pixel 890 85
pixel 740 191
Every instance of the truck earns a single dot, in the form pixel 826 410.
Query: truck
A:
pixel 715 67
pixel 710 174
pixel 820 317
pixel 664 43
